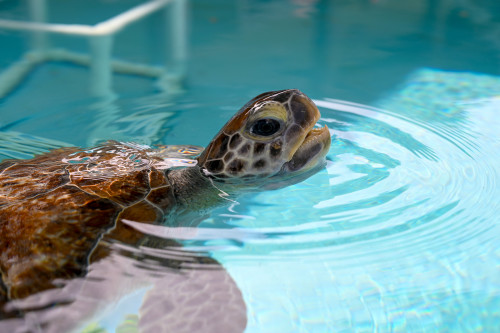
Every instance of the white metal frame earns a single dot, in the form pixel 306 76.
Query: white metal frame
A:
pixel 100 38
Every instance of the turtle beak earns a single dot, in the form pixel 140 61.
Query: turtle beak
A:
pixel 314 142
pixel 312 151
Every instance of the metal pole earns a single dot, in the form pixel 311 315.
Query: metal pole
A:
pixel 178 31
pixel 100 65
pixel 38 13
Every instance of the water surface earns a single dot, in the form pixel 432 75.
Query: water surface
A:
pixel 398 233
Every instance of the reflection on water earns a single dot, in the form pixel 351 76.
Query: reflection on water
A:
pixel 388 174
pixel 19 145
pixel 143 119
pixel 398 233
pixel 172 290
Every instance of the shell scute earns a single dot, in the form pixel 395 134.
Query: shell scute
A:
pixel 141 212
pixel 157 178
pixel 56 208
pixel 5 165
pixel 162 197
pixel 123 191
pixel 24 181
pixel 52 239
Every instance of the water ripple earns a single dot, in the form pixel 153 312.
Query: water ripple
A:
pixel 395 186
pixel 20 145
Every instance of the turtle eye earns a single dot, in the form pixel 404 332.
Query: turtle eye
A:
pixel 265 127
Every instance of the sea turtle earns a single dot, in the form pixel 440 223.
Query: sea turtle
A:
pixel 60 211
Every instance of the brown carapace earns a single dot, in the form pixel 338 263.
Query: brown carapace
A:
pixel 56 209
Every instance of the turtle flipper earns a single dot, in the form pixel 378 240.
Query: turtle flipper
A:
pixel 199 300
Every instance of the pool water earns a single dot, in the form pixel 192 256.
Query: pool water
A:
pixel 399 233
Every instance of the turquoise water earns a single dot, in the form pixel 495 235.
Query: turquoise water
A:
pixel 399 233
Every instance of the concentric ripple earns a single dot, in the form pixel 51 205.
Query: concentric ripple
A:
pixel 387 179
pixel 395 183
pixel 398 234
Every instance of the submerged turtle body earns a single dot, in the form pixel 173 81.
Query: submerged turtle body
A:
pixel 57 209
pixel 59 205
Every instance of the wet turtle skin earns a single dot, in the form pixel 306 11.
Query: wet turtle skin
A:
pixel 55 209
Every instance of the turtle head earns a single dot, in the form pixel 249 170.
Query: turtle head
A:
pixel 270 143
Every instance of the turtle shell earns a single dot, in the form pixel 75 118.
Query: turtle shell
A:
pixel 56 207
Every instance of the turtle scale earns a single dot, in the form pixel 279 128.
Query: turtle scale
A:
pixel 75 197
